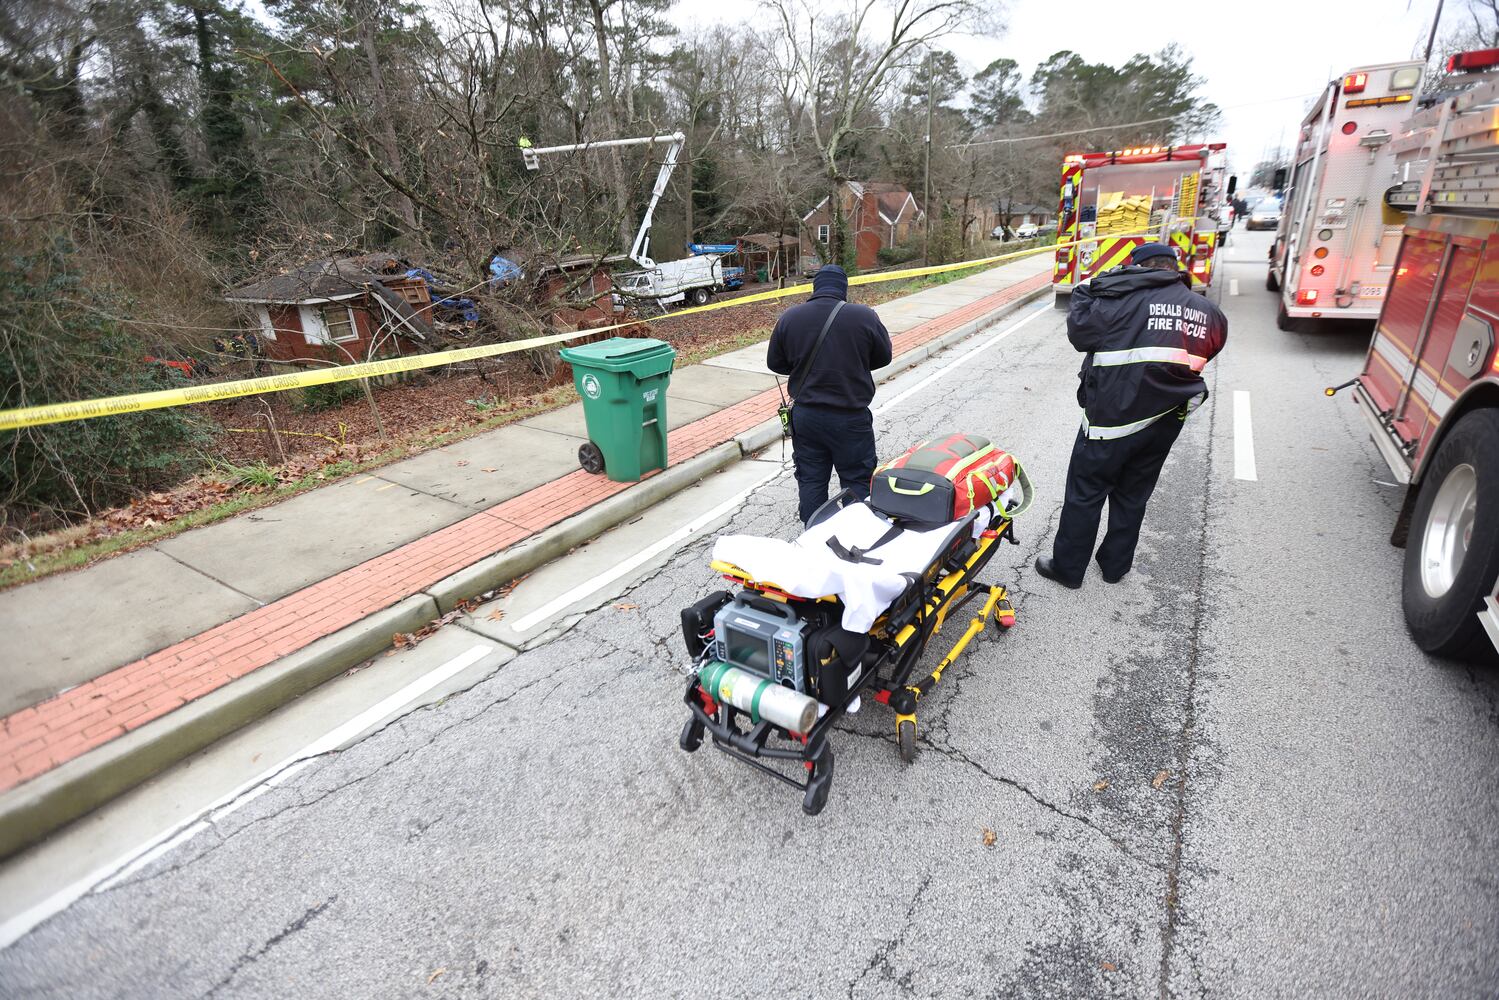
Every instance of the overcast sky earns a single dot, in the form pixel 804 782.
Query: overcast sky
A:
pixel 1262 62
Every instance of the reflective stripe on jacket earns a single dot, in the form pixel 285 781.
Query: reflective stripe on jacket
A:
pixel 1147 337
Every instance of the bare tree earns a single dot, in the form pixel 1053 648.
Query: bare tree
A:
pixel 843 64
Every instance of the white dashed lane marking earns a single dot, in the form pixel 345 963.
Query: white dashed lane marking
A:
pixel 1243 438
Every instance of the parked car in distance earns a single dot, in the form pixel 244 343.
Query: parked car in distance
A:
pixel 1265 215
pixel 1021 232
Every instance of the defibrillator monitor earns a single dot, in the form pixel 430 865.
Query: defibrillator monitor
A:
pixel 747 649
pixel 763 638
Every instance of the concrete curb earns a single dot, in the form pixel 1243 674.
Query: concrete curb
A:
pixel 543 547
pixel 31 811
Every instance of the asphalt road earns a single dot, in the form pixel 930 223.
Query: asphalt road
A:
pixel 1232 775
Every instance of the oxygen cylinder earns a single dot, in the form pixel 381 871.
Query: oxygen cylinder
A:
pixel 761 698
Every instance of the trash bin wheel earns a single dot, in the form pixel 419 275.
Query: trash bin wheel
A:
pixel 591 458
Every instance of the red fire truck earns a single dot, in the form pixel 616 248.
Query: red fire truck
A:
pixel 1115 201
pixel 1429 388
pixel 1335 250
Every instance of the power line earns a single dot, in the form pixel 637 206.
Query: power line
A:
pixel 1122 125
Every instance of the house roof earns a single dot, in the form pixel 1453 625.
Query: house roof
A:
pixel 320 280
pixel 577 261
pixel 891 199
pixel 770 241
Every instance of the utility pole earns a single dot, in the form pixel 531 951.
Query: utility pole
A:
pixel 1431 39
pixel 926 182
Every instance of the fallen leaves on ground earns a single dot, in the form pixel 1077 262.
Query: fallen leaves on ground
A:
pixel 1159 779
pixel 989 837
pixel 498 614
pixel 1100 785
pixel 295 443
pixel 432 978
pixel 1109 966
pixel 626 607
pixel 404 640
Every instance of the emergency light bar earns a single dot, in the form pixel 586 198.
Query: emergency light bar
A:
pixel 1472 62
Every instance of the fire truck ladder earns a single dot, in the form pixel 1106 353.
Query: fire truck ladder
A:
pixel 1459 142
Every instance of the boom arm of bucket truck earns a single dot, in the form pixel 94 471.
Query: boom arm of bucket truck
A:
pixel 640 252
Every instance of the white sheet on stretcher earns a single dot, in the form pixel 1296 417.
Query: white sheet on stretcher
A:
pixel 808 568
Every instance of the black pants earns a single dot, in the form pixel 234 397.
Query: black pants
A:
pixel 824 440
pixel 1123 472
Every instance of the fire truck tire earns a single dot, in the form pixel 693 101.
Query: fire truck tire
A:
pixel 1272 284
pixel 1452 555
pixel 1063 301
pixel 1283 320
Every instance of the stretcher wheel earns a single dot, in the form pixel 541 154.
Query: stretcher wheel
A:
pixel 819 782
pixel 692 735
pixel 905 740
pixel 591 458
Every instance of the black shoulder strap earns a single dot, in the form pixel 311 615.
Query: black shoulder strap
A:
pixel 857 555
pixel 794 383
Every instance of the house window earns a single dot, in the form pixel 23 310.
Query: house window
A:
pixel 822 234
pixel 339 321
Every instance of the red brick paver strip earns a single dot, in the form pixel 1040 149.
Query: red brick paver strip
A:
pixel 37 739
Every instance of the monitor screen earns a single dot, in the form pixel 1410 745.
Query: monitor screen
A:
pixel 749 651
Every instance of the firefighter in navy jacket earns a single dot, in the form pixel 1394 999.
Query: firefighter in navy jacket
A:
pixel 1146 337
pixel 832 427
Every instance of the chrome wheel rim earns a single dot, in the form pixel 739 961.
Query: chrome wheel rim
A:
pixel 1449 530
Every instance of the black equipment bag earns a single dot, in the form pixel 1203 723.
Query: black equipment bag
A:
pixel 836 662
pixel 697 621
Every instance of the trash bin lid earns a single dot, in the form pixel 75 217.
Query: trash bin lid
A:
pixel 618 354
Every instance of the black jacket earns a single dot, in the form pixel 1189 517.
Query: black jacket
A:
pixel 857 344
pixel 1147 336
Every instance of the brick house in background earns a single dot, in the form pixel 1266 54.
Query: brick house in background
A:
pixel 336 310
pixel 878 216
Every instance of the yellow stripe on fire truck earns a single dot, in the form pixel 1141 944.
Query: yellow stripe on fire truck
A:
pixel 1111 252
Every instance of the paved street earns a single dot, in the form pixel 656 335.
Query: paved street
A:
pixel 1327 824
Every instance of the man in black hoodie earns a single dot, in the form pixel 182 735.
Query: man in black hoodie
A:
pixel 1146 336
pixel 831 426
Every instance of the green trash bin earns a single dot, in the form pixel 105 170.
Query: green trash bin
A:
pixel 623 384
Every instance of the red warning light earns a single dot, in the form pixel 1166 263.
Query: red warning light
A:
pixel 1474 61
pixel 1354 83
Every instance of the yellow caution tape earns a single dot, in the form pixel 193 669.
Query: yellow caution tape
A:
pixel 109 406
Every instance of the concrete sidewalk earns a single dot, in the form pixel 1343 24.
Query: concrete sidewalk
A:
pixel 218 625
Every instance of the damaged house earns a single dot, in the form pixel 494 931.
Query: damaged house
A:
pixel 342 309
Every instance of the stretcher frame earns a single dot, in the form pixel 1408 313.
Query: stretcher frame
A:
pixel 898 641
